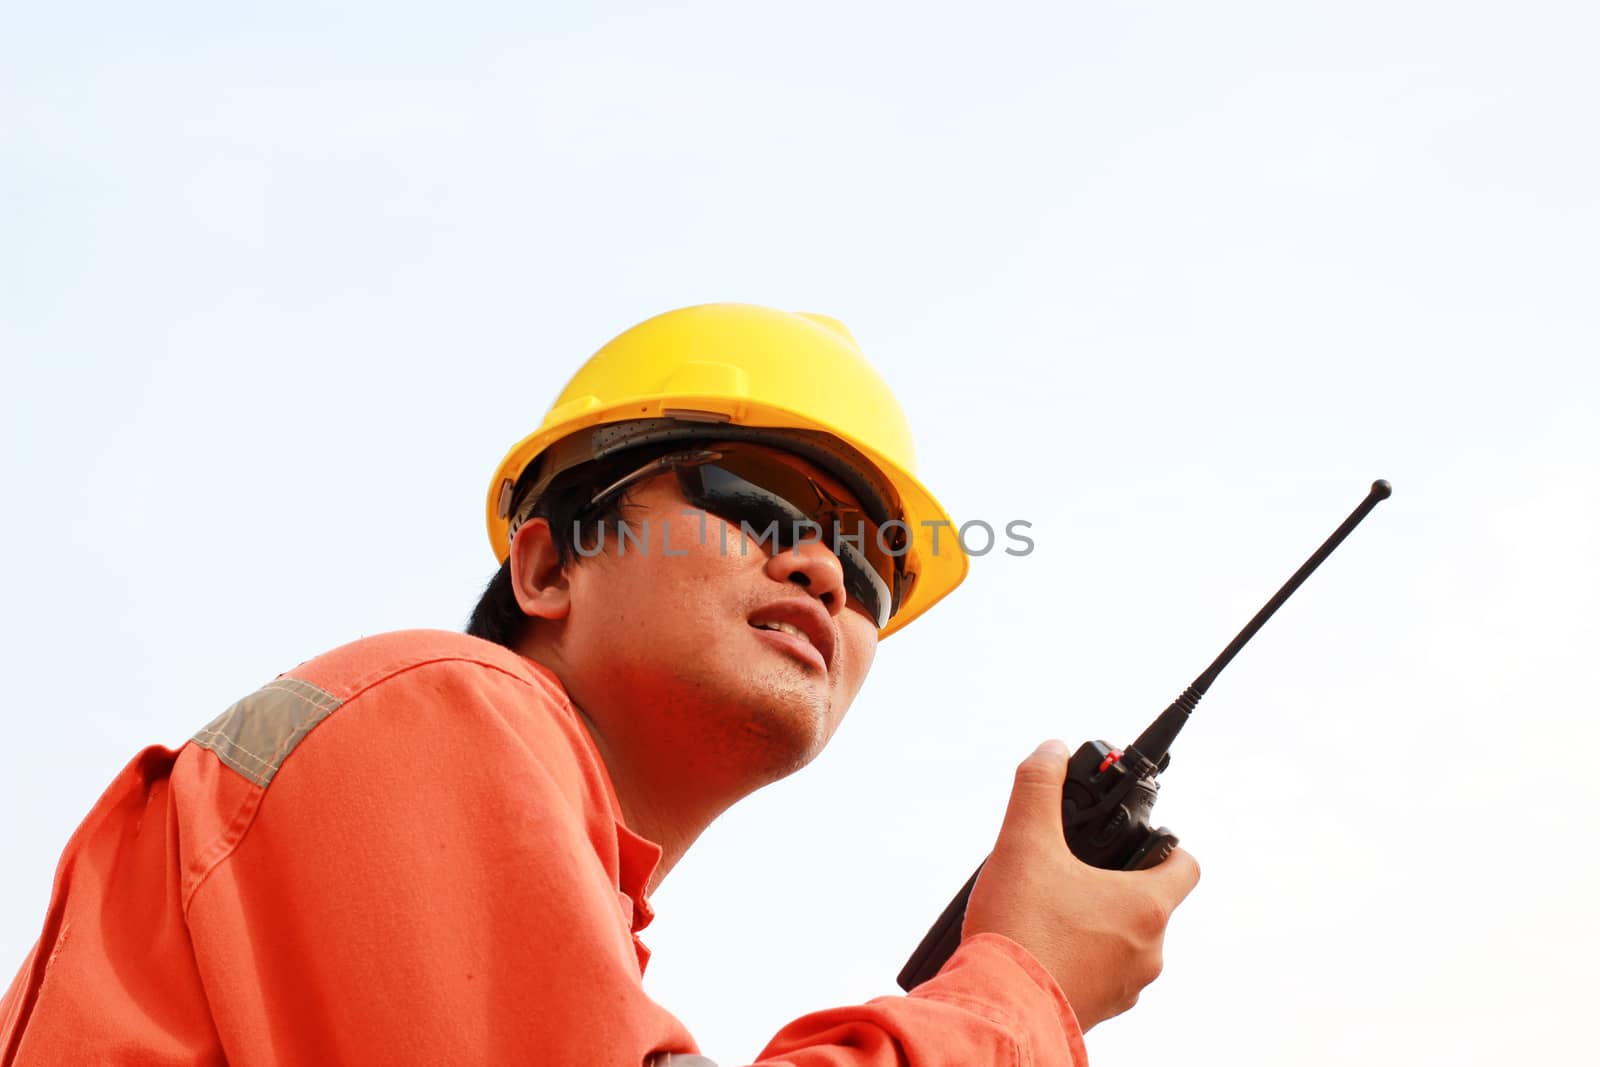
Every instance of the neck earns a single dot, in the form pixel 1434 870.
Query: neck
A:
pixel 668 786
pixel 656 807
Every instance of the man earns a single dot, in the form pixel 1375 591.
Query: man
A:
pixel 438 848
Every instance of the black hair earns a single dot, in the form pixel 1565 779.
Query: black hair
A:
pixel 497 616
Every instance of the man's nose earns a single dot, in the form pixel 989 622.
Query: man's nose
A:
pixel 812 566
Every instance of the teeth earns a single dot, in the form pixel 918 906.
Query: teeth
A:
pixel 782 627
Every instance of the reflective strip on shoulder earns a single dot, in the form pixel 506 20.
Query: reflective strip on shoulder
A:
pixel 678 1059
pixel 256 734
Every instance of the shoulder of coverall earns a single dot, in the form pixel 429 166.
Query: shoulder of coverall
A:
pixel 429 671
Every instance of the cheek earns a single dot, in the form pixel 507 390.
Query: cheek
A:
pixel 669 580
pixel 860 638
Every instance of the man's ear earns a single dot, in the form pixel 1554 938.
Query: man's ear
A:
pixel 537 577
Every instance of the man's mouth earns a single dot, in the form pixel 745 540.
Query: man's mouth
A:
pixel 801 628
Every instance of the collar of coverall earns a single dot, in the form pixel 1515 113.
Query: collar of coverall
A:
pixel 878 498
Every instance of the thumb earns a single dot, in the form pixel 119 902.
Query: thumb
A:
pixel 1035 806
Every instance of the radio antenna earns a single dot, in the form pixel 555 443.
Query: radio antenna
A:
pixel 1155 741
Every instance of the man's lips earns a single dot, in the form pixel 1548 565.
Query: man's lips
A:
pixel 805 615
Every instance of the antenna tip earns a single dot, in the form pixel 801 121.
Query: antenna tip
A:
pixel 1381 489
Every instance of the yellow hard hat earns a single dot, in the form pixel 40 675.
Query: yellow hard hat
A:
pixel 740 371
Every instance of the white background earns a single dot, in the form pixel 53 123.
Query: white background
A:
pixel 1174 282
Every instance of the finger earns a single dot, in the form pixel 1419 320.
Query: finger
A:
pixel 1177 875
pixel 1035 806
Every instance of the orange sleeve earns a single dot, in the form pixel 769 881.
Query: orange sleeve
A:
pixel 423 884
pixel 991 1004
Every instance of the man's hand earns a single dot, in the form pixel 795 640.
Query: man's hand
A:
pixel 1098 932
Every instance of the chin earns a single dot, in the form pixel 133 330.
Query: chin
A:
pixel 788 727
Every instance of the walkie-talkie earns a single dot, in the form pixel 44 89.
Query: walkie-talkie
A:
pixel 1106 804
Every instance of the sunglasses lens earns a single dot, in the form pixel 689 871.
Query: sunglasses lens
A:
pixel 779 504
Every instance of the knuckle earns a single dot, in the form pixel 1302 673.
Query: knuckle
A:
pixel 1151 970
pixel 1150 917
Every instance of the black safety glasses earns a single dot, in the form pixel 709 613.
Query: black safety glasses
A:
pixel 777 504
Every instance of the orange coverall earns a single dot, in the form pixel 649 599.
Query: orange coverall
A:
pixel 407 851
